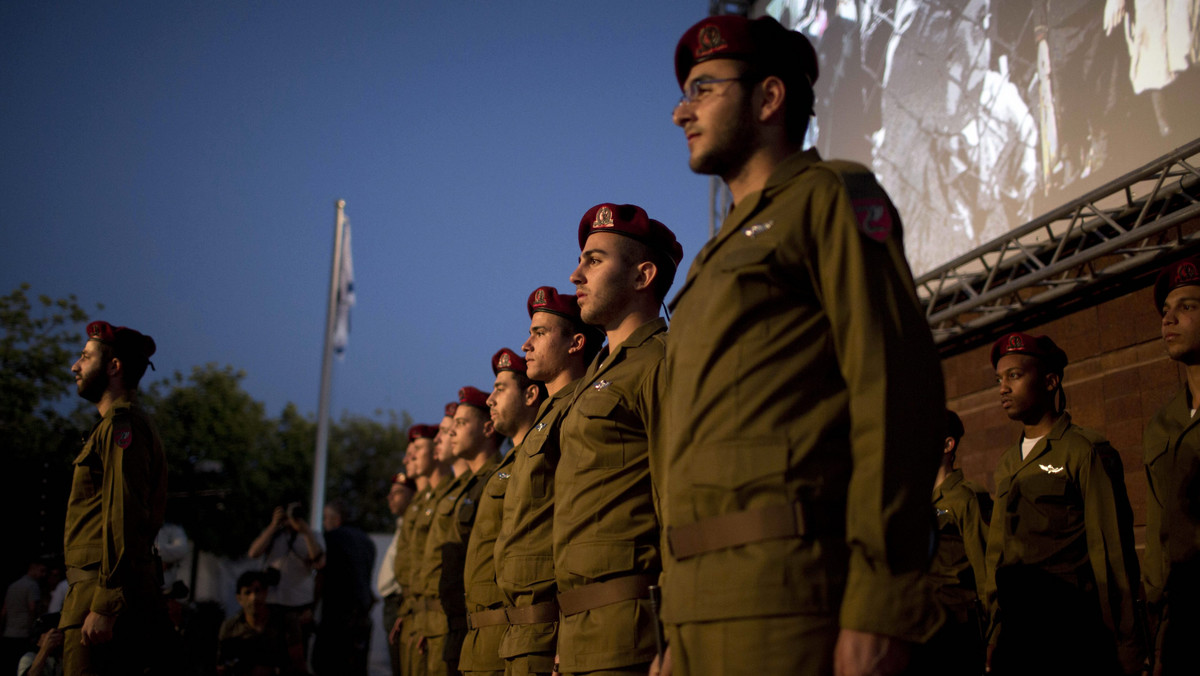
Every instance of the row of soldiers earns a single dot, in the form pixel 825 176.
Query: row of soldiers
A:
pixel 768 466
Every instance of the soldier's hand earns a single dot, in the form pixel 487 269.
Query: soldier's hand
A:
pixel 422 645
pixel 97 629
pixel 859 653
pixel 277 517
pixel 664 669
pixel 395 632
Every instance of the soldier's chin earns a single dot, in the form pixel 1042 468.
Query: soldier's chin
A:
pixel 90 392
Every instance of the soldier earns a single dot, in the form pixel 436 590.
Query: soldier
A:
pixel 514 403
pixel 606 535
pixel 1172 457
pixel 387 583
pixel 118 495
pixel 474 446
pixel 428 473
pixel 798 444
pixel 1061 565
pixel 557 353
pixel 963 510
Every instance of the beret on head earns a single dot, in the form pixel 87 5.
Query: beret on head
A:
pixel 1035 346
pixel 422 432
pixel 1183 273
pixel 507 360
pixel 472 396
pixel 548 299
pixel 450 409
pixel 768 47
pixel 631 221
pixel 125 342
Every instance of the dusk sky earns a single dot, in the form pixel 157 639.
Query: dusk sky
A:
pixel 180 163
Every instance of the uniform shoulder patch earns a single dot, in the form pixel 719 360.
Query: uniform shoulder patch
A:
pixel 122 434
pixel 870 203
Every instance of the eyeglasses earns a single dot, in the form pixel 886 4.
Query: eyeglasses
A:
pixel 698 89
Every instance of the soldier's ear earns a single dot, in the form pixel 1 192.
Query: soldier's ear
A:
pixel 1053 380
pixel 488 428
pixel 773 91
pixel 577 343
pixel 531 394
pixel 647 272
pixel 113 367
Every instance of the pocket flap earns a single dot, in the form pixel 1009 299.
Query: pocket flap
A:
pixel 737 463
pixel 597 404
pixel 596 559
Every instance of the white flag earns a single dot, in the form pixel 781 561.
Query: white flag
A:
pixel 345 297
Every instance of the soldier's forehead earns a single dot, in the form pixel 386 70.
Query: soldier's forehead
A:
pixel 1190 291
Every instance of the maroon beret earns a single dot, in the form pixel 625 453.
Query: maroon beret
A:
pixel 507 360
pixel 125 342
pixel 630 220
pixel 1035 346
pixel 763 43
pixel 1184 273
pixel 473 397
pixel 450 409
pixel 548 299
pixel 422 432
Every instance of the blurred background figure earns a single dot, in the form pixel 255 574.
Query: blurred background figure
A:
pixel 259 640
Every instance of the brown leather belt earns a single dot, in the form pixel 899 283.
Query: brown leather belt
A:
pixel 743 528
pixel 599 594
pixel 535 614
pixel 80 575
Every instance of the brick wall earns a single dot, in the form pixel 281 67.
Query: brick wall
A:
pixel 1117 378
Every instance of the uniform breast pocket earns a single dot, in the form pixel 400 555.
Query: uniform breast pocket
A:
pixel 89 473
pixel 606 433
pixel 1052 500
pixel 733 475
pixel 752 271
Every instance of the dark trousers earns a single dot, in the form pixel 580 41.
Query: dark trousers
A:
pixel 391 611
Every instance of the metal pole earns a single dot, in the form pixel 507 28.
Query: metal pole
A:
pixel 316 518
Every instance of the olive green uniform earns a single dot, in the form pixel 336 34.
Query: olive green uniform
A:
pixel 1061 560
pixel 1172 457
pixel 481 646
pixel 525 546
pixel 605 527
pixel 411 542
pixel 798 442
pixel 432 623
pixel 116 506
pixel 957 574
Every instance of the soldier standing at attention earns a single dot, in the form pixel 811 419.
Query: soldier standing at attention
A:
pixel 606 535
pixel 399 497
pixel 118 496
pixel 1061 564
pixel 429 474
pixel 557 353
pixel 1172 457
pixel 798 442
pixel 963 510
pixel 514 403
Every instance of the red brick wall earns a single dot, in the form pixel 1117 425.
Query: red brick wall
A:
pixel 1117 378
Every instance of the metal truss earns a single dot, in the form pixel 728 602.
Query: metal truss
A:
pixel 1105 244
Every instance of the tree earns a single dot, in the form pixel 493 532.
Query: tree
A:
pixel 363 456
pixel 38 343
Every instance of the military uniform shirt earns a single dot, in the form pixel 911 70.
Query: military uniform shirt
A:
pixel 1172 457
pixel 525 546
pixel 1064 509
pixel 440 512
pixel 801 372
pixel 481 647
pixel 116 506
pixel 963 510
pixel 605 525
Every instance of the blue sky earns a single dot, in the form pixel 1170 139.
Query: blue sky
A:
pixel 179 162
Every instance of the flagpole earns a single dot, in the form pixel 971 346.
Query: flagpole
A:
pixel 320 460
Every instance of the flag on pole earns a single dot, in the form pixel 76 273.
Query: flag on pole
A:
pixel 345 295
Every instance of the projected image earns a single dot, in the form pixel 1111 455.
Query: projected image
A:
pixel 979 115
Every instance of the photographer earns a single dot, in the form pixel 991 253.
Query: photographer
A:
pixel 290 546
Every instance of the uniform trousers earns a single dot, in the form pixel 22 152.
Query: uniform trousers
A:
pixel 529 665
pixel 791 644
pixel 391 611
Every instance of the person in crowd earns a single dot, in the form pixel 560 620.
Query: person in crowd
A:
pixel 288 544
pixel 260 639
pixel 401 490
pixel 20 610
pixel 344 596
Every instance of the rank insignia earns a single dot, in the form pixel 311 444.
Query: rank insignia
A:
pixel 1186 273
pixel 604 218
pixel 601 384
pixel 539 298
pixel 503 476
pixel 942 512
pixel 503 362
pixel 540 426
pixel 1014 343
pixel 1051 469
pixel 758 229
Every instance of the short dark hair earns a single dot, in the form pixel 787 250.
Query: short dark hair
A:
pixel 636 251
pixel 798 97
pixel 524 381
pixel 954 426
pixel 133 367
pixel 251 576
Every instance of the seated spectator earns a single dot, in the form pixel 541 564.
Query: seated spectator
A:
pixel 47 659
pixel 259 640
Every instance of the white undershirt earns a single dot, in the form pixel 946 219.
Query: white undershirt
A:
pixel 1028 444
